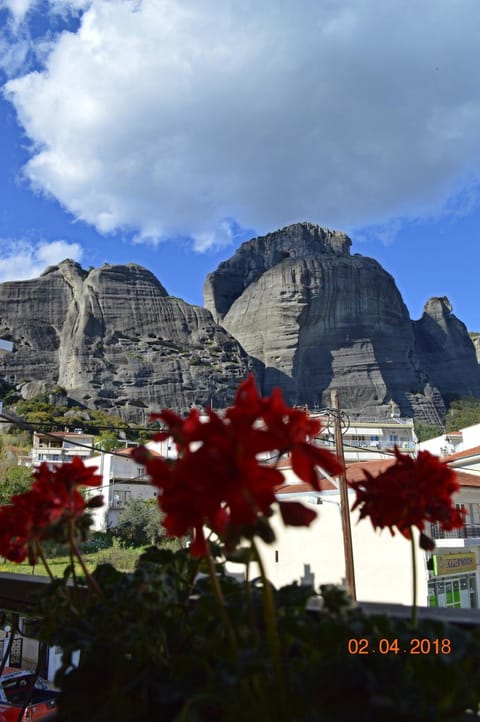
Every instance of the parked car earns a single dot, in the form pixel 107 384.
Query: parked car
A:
pixel 24 698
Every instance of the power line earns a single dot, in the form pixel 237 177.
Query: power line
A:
pixel 30 427
pixel 88 424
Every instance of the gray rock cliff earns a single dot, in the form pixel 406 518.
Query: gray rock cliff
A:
pixel 114 339
pixel 295 306
pixel 318 318
pixel 446 351
pixel 476 345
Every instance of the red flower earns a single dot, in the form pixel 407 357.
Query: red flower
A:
pixel 408 494
pixel 15 524
pixel 294 430
pixel 53 500
pixel 218 480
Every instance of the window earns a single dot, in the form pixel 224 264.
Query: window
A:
pixel 119 498
pixel 474 514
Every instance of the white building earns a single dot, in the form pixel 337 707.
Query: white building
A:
pixel 453 442
pixel 460 449
pixel 449 576
pixel 123 479
pixel 467 460
pixel 371 439
pixel 61 446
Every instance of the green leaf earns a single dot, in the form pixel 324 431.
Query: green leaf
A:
pixel 242 555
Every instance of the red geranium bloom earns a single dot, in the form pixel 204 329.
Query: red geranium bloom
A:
pixel 15 525
pixel 52 500
pixel 218 479
pixel 408 494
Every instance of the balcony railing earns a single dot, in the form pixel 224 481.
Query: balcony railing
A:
pixel 469 531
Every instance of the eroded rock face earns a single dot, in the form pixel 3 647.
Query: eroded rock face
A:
pixel 114 339
pixel 446 351
pixel 294 306
pixel 319 318
pixel 254 257
pixel 476 345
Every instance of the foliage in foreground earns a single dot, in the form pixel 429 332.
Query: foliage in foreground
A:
pixel 168 657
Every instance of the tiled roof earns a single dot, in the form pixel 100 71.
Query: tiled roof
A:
pixel 355 472
pixel 462 454
pixel 301 486
pixel 464 478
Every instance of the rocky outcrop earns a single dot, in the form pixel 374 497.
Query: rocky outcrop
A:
pixel 295 306
pixel 476 344
pixel 446 351
pixel 318 318
pixel 113 338
pixel 258 255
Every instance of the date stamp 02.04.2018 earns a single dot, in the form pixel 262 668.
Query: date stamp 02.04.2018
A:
pixel 416 645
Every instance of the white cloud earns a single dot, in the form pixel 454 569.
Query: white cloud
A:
pixel 20 260
pixel 166 117
pixel 17 8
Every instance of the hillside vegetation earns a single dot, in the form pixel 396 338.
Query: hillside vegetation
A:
pixel 462 412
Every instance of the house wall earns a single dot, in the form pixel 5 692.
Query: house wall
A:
pixel 121 481
pixel 471 436
pixel 441 445
pixel 383 570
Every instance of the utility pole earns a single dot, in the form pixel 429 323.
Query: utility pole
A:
pixel 346 527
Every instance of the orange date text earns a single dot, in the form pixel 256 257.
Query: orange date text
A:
pixel 416 645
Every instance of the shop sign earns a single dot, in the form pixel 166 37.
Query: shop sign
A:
pixel 454 563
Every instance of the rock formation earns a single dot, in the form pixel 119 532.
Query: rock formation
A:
pixel 114 339
pixel 295 306
pixel 446 351
pixel 476 343
pixel 318 318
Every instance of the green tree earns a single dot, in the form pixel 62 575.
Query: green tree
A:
pixel 16 479
pixel 48 416
pixel 106 441
pixel 425 431
pixel 140 523
pixel 463 412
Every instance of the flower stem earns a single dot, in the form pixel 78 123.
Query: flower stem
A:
pixel 72 564
pixel 74 548
pixel 221 602
pixel 414 581
pixel 250 606
pixel 42 556
pixel 272 629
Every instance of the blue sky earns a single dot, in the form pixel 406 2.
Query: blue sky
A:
pixel 165 132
